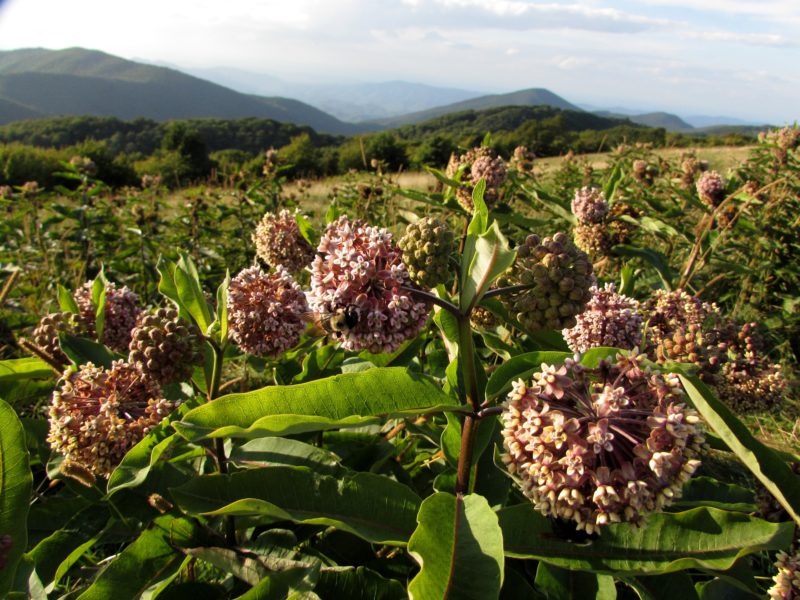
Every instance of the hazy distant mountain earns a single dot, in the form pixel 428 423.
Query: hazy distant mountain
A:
pixel 352 102
pixel 530 97
pixel 87 82
pixel 706 121
pixel 666 120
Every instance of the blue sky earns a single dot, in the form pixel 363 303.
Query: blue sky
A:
pixel 739 58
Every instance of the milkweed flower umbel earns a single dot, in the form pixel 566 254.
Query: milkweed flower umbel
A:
pixel 279 242
pixel 610 319
pixel 711 188
pixel 787 580
pixel 121 314
pixel 266 311
pixel 589 205
pixel 471 167
pixel 599 446
pixel 359 269
pixel 98 414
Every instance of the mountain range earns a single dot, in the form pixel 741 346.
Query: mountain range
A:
pixel 38 83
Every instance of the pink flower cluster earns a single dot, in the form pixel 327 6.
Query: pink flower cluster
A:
pixel 279 242
pixel 599 446
pixel 589 205
pixel 98 414
pixel 787 580
pixel 610 319
pixel 266 311
pixel 121 314
pixel 711 188
pixel 359 271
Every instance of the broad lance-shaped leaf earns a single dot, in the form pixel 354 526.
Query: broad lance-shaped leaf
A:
pixel 270 451
pixel 139 460
pixel 373 507
pixel 701 538
pixel 763 462
pixel 351 399
pixel 562 584
pixel 18 369
pixel 148 559
pixel 15 491
pixel 187 283
pixel 459 546
pixel 485 258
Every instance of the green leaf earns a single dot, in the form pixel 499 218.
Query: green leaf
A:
pixel 627 280
pixel 139 460
pixel 292 584
pixel 652 257
pixel 187 284
pixel 480 219
pixel 664 587
pixel 561 584
pixel 66 301
pixel 222 310
pixel 249 567
pixel 16 482
pixel 100 313
pixel 152 554
pixel 701 538
pixel 271 451
pixel 459 546
pixel 167 286
pixel 373 507
pixel 81 351
pixel 56 549
pixel 764 463
pixel 485 258
pixel 349 399
pixel 357 583
pixel 705 491
pixel 520 367
pixel 610 188
pixel 720 589
pixel 307 230
pixel 592 357
pixel 19 369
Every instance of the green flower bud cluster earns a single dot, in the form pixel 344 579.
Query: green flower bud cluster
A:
pixel 560 276
pixel 427 247
pixel 45 336
pixel 164 346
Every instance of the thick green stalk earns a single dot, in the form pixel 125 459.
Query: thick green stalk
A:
pixel 219 443
pixel 469 427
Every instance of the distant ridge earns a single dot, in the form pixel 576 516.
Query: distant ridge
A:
pixel 529 97
pixel 37 82
pixel 666 120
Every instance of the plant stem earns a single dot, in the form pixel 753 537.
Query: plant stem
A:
pixel 219 443
pixel 466 361
pixel 508 290
pixel 433 299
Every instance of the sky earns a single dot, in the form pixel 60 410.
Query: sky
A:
pixel 738 58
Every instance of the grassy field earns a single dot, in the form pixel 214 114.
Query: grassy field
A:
pixel 317 193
